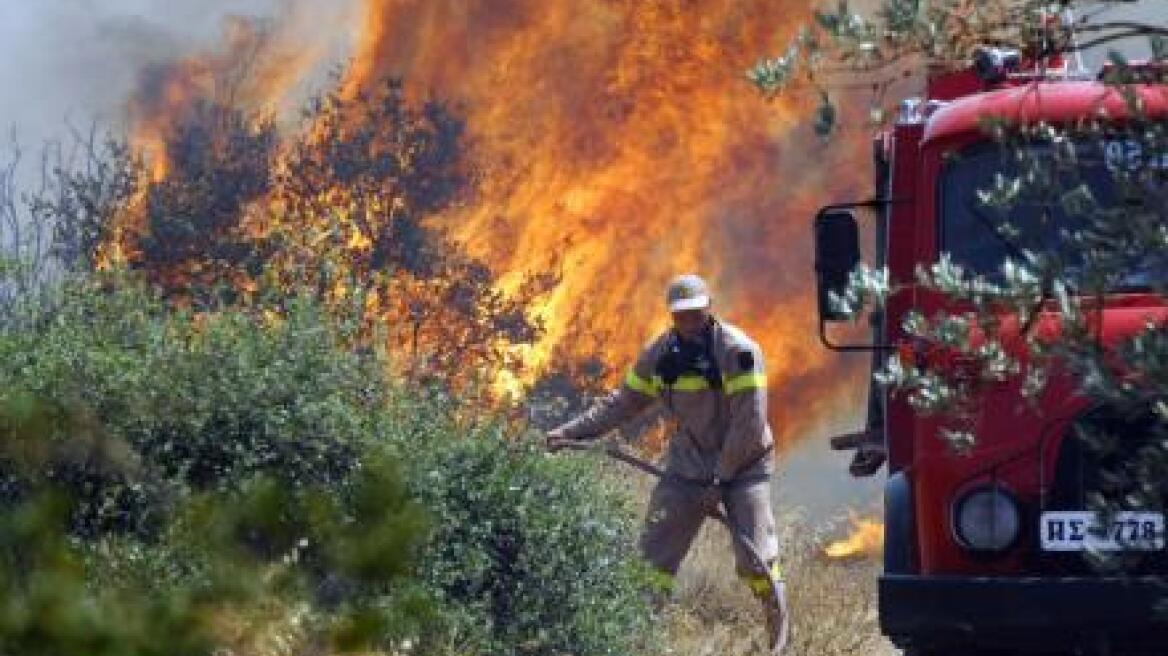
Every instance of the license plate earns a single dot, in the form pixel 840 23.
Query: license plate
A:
pixel 1079 530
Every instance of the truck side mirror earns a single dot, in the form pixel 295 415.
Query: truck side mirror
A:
pixel 837 253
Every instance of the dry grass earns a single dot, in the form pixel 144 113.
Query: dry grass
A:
pixel 712 613
pixel 833 602
pixel 268 629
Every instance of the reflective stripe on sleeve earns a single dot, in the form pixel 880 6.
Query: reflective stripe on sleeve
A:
pixel 635 382
pixel 743 382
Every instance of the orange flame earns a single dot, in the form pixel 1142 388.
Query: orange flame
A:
pixel 256 67
pixel 617 143
pixel 620 142
pixel 865 540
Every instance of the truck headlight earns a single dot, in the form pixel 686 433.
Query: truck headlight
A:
pixel 986 519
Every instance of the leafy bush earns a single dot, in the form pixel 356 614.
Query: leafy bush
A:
pixel 198 451
pixel 49 609
pixel 537 553
pixel 164 403
pixel 351 560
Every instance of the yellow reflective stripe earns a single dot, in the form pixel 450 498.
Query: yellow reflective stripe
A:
pixel 648 388
pixel 758 583
pixel 690 383
pixel 743 382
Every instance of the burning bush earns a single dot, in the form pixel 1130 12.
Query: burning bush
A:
pixel 191 243
pixel 234 213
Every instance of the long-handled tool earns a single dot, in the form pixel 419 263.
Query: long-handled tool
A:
pixel 781 627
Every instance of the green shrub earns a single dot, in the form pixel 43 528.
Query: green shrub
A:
pixel 49 609
pixel 163 403
pixel 537 553
pixel 267 543
pixel 197 451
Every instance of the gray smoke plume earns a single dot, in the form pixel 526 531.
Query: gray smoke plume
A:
pixel 77 61
pixel 1148 12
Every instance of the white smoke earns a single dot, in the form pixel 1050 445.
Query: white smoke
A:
pixel 77 61
pixel 1148 12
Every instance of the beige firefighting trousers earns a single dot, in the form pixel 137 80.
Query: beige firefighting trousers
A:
pixel 677 509
pixel 721 434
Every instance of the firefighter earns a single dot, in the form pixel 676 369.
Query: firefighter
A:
pixel 710 379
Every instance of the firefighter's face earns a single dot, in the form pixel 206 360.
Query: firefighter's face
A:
pixel 689 324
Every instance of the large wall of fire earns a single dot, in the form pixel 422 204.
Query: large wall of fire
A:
pixel 616 142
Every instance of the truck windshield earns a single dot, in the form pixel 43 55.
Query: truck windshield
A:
pixel 980 235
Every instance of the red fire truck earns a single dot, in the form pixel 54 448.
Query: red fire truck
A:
pixel 987 552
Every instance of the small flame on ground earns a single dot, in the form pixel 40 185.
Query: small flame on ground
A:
pixel 865 540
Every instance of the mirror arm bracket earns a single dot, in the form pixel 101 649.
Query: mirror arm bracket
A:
pixel 850 348
pixel 875 201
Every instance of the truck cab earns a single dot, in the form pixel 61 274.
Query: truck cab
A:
pixel 989 550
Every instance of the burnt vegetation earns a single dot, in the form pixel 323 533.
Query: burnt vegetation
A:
pixel 219 160
pixel 236 213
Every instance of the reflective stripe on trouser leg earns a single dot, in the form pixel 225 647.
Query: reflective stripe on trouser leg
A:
pixel 759 584
pixel 672 521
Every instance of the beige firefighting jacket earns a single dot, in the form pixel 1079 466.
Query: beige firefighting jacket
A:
pixel 717 433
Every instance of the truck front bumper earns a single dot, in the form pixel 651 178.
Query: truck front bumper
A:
pixel 1025 614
